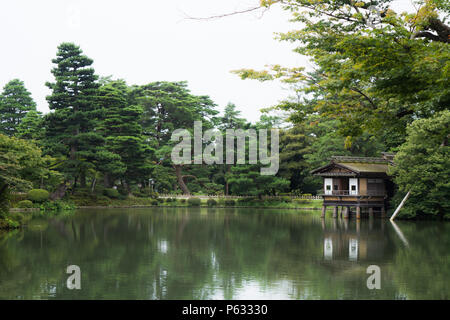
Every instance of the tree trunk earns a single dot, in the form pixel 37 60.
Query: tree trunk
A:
pixel 93 184
pixel 180 180
pixel 106 180
pixel 83 179
pixel 59 192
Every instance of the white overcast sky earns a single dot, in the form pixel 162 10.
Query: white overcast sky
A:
pixel 143 41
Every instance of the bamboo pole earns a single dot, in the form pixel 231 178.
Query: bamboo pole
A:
pixel 400 206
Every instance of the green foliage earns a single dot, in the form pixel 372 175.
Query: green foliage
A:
pixel 25 204
pixel 31 126
pixel 38 195
pixel 57 205
pixel 21 163
pixel 127 154
pixel 4 200
pixel 15 103
pixel 422 166
pixel 194 202
pixel 211 202
pixel 230 202
pixel 70 129
pixel 8 223
pixel 373 79
pixel 111 193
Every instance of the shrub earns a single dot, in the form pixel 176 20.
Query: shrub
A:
pixel 154 202
pixel 286 199
pixel 112 193
pixel 183 200
pixel 38 195
pixel 139 194
pixel 211 202
pixel 57 205
pixel 16 197
pixel 194 202
pixel 229 202
pixel 25 204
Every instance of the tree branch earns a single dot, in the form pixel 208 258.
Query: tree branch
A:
pixel 227 14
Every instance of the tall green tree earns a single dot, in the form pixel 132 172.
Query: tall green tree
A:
pixel 31 126
pixel 15 103
pixel 295 144
pixel 422 166
pixel 121 127
pixel 231 119
pixel 70 128
pixel 374 68
pixel 21 163
pixel 168 106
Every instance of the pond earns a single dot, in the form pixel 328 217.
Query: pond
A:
pixel 202 253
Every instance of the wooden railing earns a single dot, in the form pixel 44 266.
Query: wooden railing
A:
pixel 348 193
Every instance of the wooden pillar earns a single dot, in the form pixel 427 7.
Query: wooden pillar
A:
pixel 370 213
pixel 345 221
pixel 383 212
pixel 345 214
pixel 335 212
pixel 358 212
pixel 324 210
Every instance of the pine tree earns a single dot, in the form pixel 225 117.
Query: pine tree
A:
pixel 15 102
pixel 30 127
pixel 123 136
pixel 70 129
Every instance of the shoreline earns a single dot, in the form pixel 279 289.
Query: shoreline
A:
pixel 174 206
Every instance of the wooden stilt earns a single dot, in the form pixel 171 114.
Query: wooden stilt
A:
pixel 383 212
pixel 345 214
pixel 324 210
pixel 358 212
pixel 370 212
pixel 335 212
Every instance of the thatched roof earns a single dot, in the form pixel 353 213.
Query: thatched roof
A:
pixel 355 166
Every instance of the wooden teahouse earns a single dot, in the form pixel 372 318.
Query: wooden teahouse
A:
pixel 362 183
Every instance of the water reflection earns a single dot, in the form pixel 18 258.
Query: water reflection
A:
pixel 355 240
pixel 167 253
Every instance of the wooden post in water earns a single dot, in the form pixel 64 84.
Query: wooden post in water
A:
pixel 358 212
pixel 345 214
pixel 370 213
pixel 383 212
pixel 324 210
pixel 400 206
pixel 335 212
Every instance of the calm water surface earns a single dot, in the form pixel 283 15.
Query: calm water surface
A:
pixel 193 253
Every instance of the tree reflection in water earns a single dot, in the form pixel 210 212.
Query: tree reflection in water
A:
pixel 205 253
